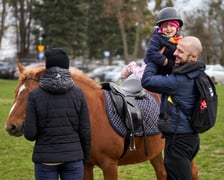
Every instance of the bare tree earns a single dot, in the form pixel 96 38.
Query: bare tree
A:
pixel 216 20
pixel 3 16
pixel 22 14
pixel 208 25
pixel 129 15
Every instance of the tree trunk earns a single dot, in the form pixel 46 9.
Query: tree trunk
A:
pixel 136 45
pixel 3 15
pixel 123 36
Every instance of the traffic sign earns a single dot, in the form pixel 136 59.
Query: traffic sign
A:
pixel 40 48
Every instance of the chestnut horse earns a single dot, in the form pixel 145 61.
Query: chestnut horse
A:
pixel 106 146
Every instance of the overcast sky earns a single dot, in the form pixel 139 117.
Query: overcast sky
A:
pixel 183 4
pixel 188 4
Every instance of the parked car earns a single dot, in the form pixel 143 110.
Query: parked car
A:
pixel 7 70
pixel 114 75
pixel 216 73
pixel 99 73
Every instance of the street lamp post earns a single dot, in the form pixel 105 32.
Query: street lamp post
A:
pixel 40 38
pixel 40 46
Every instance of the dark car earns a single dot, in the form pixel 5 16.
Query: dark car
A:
pixel 7 70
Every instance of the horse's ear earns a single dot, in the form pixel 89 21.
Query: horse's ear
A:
pixel 20 66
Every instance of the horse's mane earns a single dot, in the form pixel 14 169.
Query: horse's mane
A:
pixel 82 79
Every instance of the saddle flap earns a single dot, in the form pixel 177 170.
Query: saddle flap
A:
pixel 135 115
pixel 124 99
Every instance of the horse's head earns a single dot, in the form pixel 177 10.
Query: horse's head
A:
pixel 28 80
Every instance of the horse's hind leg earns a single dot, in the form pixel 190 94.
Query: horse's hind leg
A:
pixel 88 172
pixel 158 165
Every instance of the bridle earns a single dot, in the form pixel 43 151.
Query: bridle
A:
pixel 33 79
pixel 27 79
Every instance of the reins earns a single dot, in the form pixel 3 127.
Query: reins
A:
pixel 24 80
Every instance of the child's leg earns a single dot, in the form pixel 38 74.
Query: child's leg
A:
pixel 138 72
pixel 127 71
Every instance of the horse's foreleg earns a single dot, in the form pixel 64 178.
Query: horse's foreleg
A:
pixel 194 170
pixel 110 170
pixel 88 172
pixel 158 165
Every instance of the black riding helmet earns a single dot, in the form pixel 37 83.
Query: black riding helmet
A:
pixel 168 13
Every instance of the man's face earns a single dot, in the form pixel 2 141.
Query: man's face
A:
pixel 182 53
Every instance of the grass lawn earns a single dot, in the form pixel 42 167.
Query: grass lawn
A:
pixel 15 152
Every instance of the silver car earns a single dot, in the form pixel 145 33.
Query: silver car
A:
pixel 216 73
pixel 115 74
pixel 99 73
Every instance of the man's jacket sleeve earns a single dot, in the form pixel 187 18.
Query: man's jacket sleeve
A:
pixel 158 83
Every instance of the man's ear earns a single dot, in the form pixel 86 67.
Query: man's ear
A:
pixel 194 57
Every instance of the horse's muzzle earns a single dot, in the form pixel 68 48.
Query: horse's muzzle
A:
pixel 14 130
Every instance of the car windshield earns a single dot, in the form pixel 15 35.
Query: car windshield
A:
pixel 3 64
pixel 98 69
pixel 216 67
pixel 219 68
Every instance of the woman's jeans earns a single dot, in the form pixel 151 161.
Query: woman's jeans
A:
pixel 66 171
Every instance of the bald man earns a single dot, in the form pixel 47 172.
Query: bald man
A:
pixel 181 142
pixel 190 48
